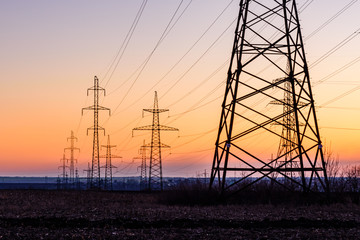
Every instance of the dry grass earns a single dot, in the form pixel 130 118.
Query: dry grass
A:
pixel 29 214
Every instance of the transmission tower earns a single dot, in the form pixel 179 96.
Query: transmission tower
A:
pixel 108 165
pixel 288 134
pixel 63 168
pixel 267 53
pixel 72 160
pixel 95 167
pixel 88 176
pixel 143 175
pixel 155 167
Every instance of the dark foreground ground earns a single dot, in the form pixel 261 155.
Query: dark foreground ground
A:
pixel 35 214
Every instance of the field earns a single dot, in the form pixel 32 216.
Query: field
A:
pixel 40 214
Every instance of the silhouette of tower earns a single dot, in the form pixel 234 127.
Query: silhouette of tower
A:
pixel 88 176
pixel 95 167
pixel 143 175
pixel 72 160
pixel 288 134
pixel 108 165
pixel 155 167
pixel 267 53
pixel 63 168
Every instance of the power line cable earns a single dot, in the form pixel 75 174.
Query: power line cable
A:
pixel 125 43
pixel 305 5
pixel 198 60
pixel 330 19
pixel 183 56
pixel 164 34
pixel 340 96
pixel 341 69
pixel 337 47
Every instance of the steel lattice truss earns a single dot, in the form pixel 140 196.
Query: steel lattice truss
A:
pixel 268 68
pixel 95 167
pixel 72 160
pixel 108 182
pixel 155 168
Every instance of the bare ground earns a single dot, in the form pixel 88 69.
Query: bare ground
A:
pixel 35 214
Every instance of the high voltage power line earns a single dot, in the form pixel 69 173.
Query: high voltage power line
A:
pixel 195 108
pixel 341 69
pixel 186 53
pixel 144 64
pixel 125 43
pixel 337 47
pixel 183 56
pixel 322 26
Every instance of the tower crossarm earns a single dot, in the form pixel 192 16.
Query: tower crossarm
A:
pixel 108 146
pixel 162 145
pixel 94 128
pixel 159 127
pixel 283 102
pixel 166 128
pixel 152 110
pixel 98 108
pixel 72 148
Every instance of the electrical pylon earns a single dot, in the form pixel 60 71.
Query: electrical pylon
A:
pixel 108 165
pixel 95 167
pixel 88 176
pixel 72 160
pixel 268 51
pixel 288 134
pixel 63 168
pixel 143 175
pixel 155 167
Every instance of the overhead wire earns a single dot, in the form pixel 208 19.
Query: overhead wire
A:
pixel 341 11
pixel 198 60
pixel 340 96
pixel 305 5
pixel 336 48
pixel 324 55
pixel 341 69
pixel 346 66
pixel 144 62
pixel 184 55
pixel 125 43
pixel 162 37
pixel 341 128
pixel 200 84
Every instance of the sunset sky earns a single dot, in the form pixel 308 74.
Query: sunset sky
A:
pixel 50 52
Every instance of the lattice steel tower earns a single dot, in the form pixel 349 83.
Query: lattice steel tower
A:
pixel 155 167
pixel 72 160
pixel 63 168
pixel 268 59
pixel 143 167
pixel 108 182
pixel 95 167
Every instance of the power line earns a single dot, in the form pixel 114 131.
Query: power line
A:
pixel 341 108
pixel 198 60
pixel 337 47
pixel 126 41
pixel 162 37
pixel 331 19
pixel 183 56
pixel 305 5
pixel 201 83
pixel 340 96
pixel 343 68
pixel 340 128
